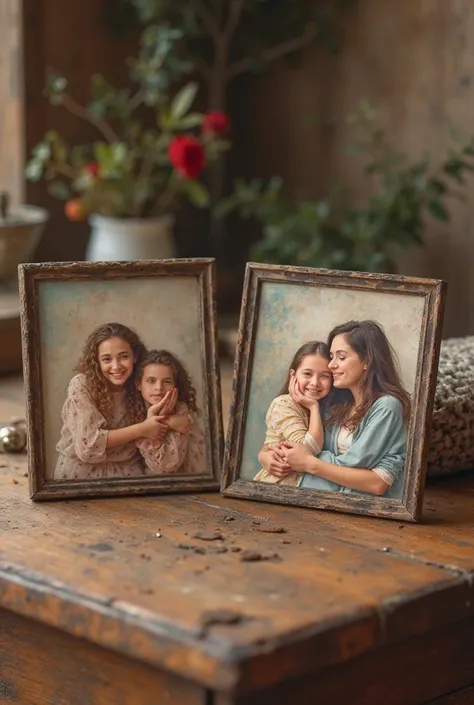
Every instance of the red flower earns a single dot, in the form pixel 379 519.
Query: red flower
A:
pixel 92 169
pixel 216 122
pixel 187 156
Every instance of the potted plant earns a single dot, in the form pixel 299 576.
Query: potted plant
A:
pixel 131 180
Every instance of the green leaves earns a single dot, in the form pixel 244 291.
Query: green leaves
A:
pixel 365 237
pixel 47 156
pixel 438 211
pixel 55 88
pixel 34 170
pixel 159 64
pixel 59 190
pixel 197 193
pixel 176 116
pixel 183 101
pixel 125 169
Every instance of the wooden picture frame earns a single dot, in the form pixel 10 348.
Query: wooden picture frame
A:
pixel 280 300
pixel 170 304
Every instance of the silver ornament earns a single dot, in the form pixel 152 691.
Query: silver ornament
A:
pixel 12 438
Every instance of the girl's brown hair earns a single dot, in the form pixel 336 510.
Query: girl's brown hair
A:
pixel 314 347
pixel 182 380
pixel 368 340
pixel 95 381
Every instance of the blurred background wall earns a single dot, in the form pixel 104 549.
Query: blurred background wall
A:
pixel 412 59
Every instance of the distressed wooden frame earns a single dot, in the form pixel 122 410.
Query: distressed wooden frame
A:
pixel 409 507
pixel 30 278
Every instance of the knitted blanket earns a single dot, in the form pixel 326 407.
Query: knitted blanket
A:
pixel 452 429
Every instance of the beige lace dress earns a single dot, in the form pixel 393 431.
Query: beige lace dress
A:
pixel 179 453
pixel 82 447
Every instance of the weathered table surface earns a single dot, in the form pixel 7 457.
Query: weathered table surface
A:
pixel 120 601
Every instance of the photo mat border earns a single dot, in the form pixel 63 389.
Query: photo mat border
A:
pixel 409 507
pixel 30 276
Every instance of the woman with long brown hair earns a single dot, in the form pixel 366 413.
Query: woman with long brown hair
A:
pixel 104 415
pixel 366 428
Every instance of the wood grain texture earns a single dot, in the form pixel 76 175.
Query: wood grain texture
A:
pixel 433 292
pixel 461 697
pixel 407 673
pixel 328 590
pixel 44 666
pixel 30 278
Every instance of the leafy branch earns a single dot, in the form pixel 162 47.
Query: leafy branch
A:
pixel 341 235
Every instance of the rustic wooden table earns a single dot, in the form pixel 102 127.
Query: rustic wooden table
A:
pixel 125 602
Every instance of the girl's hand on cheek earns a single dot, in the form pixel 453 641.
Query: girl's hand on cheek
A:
pixel 159 407
pixel 295 392
pixel 171 399
pixel 298 396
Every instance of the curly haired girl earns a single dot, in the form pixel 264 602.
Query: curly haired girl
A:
pixel 166 388
pixel 103 415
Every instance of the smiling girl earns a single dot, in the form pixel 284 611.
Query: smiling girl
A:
pixel 366 431
pixel 169 395
pixel 103 414
pixel 294 415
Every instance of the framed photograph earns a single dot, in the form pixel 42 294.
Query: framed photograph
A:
pixel 121 376
pixel 334 384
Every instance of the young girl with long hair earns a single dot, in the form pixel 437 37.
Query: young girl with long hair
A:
pixel 294 415
pixel 166 388
pixel 103 415
pixel 366 430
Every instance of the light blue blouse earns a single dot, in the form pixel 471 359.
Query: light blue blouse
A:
pixel 379 442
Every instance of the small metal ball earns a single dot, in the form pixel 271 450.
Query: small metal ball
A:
pixel 12 439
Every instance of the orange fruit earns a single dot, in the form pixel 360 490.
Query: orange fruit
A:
pixel 75 210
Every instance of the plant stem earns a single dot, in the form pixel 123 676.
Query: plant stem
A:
pixel 103 127
pixel 207 18
pixel 66 170
pixel 167 198
pixel 217 101
pixel 136 100
pixel 233 19
pixel 275 52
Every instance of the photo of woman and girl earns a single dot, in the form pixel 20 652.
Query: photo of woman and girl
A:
pixel 340 421
pixel 129 412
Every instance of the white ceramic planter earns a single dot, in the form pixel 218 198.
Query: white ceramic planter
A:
pixel 124 239
pixel 20 233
